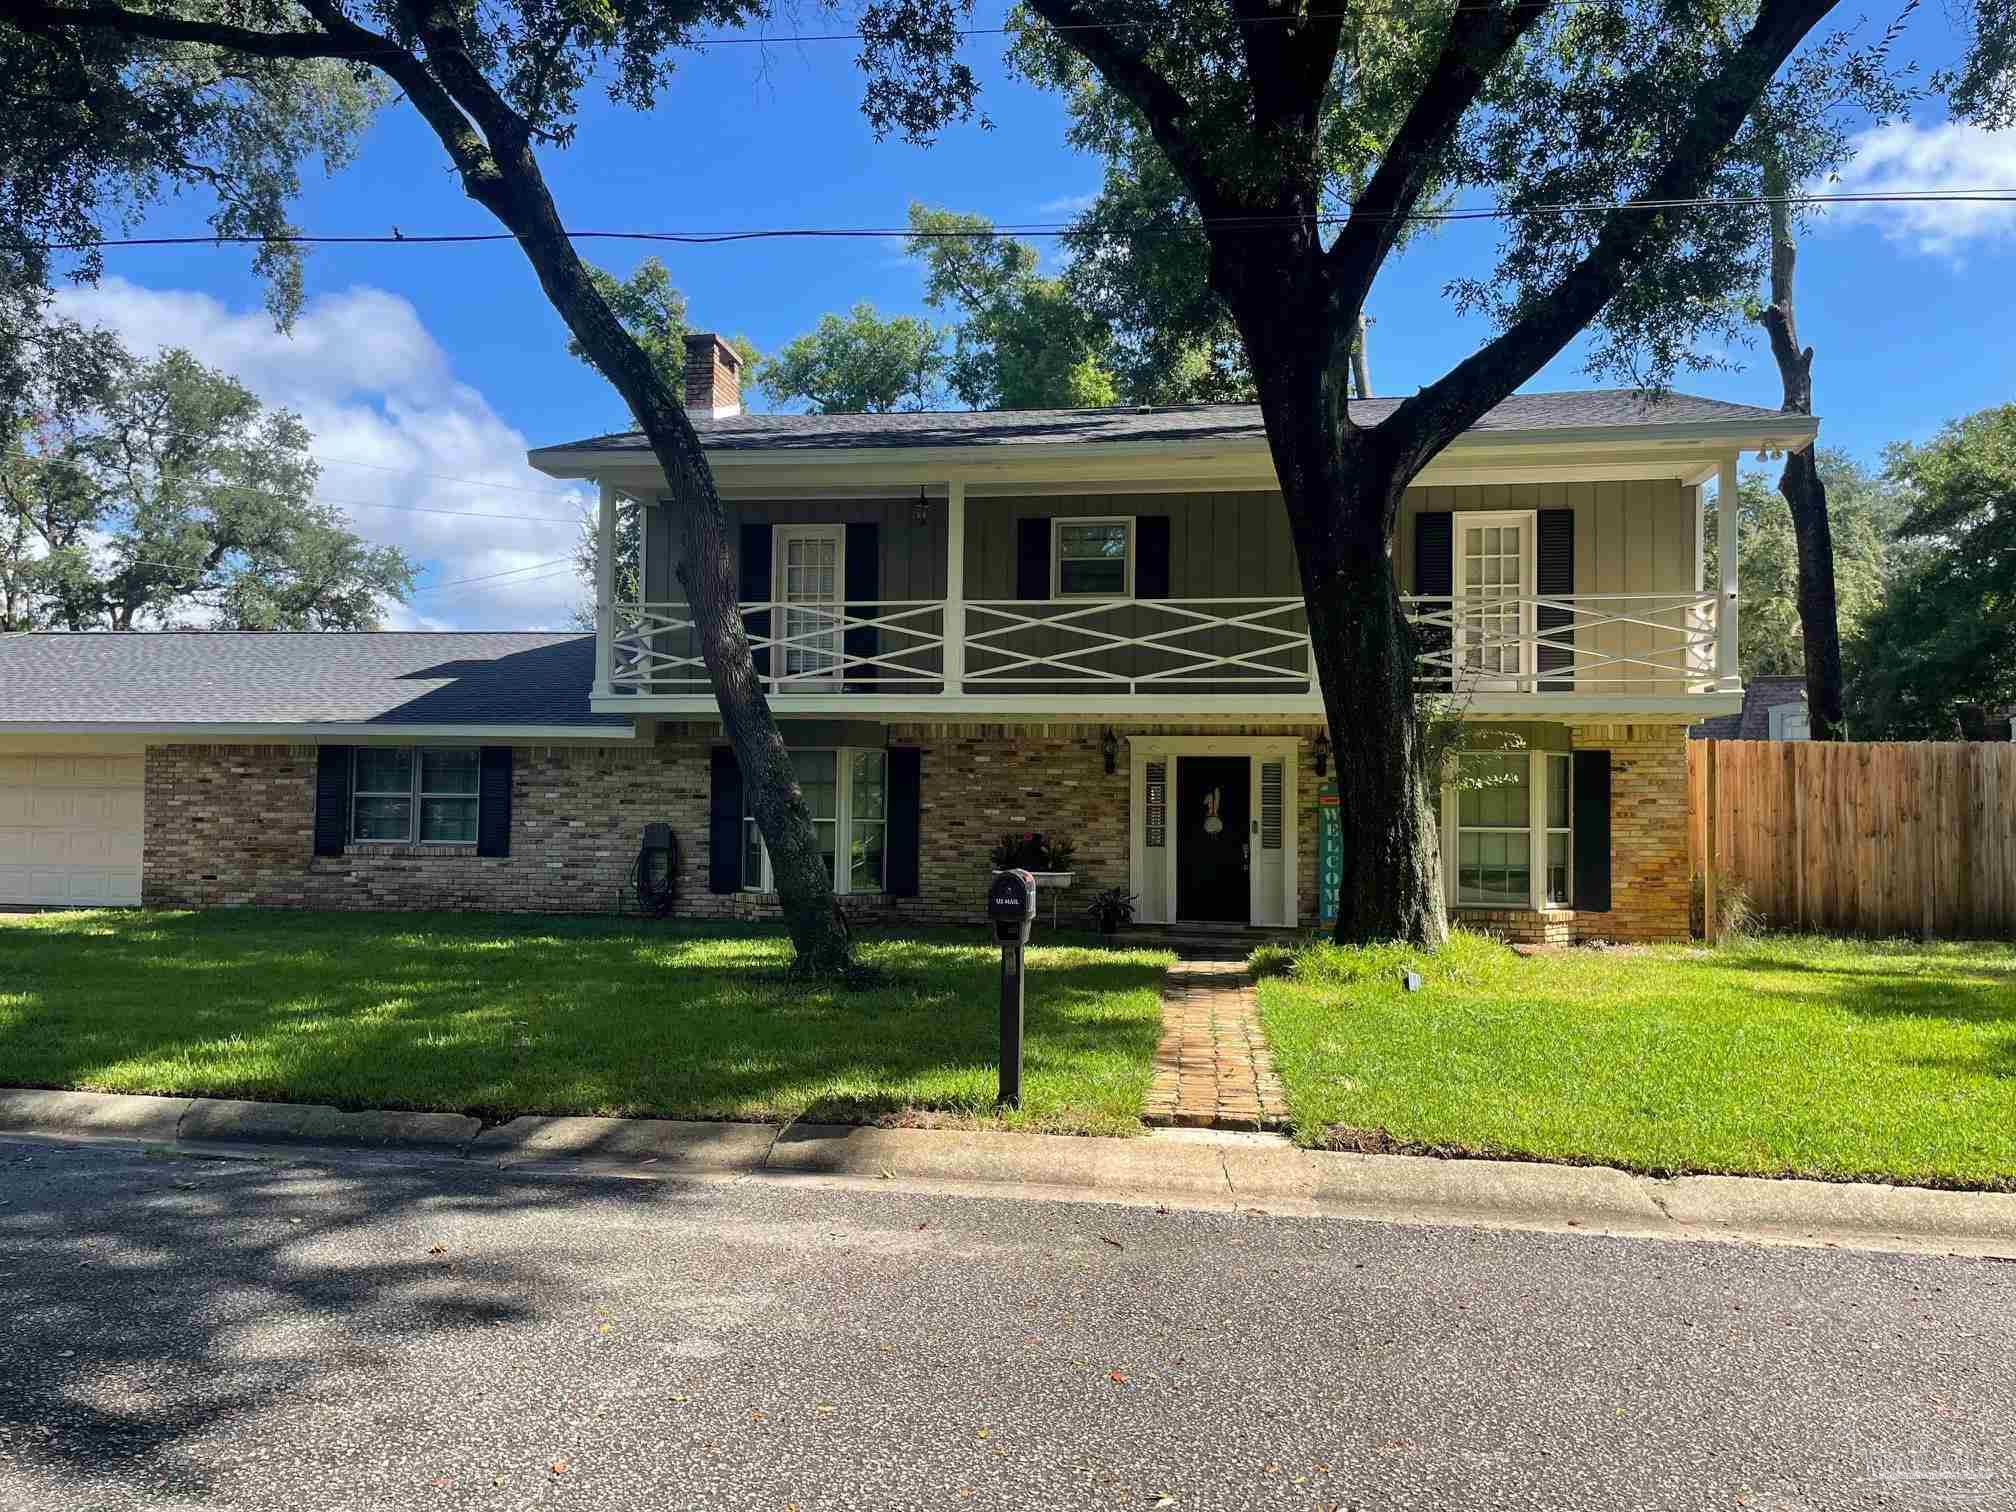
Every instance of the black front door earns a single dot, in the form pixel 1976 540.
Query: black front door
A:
pixel 1211 838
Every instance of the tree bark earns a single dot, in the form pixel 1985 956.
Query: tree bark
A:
pixel 1804 492
pixel 1342 495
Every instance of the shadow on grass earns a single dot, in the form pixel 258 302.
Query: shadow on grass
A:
pixel 500 1015
pixel 152 1302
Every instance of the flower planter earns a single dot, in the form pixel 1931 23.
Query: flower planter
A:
pixel 1052 883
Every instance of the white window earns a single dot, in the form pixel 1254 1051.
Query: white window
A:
pixel 1494 576
pixel 810 570
pixel 847 792
pixel 1505 810
pixel 428 793
pixel 1092 558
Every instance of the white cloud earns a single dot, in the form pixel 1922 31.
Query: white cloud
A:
pixel 1947 158
pixel 394 426
pixel 1069 204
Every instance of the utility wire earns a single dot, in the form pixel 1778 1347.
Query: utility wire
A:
pixel 1059 228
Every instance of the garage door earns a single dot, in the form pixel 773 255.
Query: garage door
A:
pixel 70 829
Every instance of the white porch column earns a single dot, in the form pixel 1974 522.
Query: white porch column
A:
pixel 955 586
pixel 1726 512
pixel 605 589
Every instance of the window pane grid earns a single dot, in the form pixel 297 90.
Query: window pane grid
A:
pixel 1503 829
pixel 437 785
pixel 1092 558
pixel 847 792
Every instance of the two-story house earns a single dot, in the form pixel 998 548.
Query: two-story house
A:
pixel 1085 623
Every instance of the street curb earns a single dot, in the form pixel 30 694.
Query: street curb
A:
pixel 1217 1171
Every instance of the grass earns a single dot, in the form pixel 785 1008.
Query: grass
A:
pixel 505 1014
pixel 1836 1059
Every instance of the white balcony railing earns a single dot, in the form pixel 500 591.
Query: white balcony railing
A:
pixel 1585 643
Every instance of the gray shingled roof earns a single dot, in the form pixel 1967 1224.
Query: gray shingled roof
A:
pixel 1577 410
pixel 1760 696
pixel 390 678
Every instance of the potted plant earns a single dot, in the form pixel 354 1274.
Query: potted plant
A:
pixel 1110 911
pixel 1049 861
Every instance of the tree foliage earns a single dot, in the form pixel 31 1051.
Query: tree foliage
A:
pixel 1025 341
pixel 1865 511
pixel 1940 649
pixel 175 498
pixel 860 363
pixel 653 311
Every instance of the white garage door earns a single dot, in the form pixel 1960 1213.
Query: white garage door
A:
pixel 70 829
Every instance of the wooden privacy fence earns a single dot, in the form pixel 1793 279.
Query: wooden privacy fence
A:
pixel 1858 837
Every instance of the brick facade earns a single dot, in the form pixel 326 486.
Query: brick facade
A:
pixel 233 825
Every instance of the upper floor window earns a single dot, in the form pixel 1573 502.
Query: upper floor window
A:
pixel 1094 558
pixel 424 793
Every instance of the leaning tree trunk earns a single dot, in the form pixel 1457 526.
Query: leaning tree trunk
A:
pixel 1800 483
pixel 1342 499
pixel 500 172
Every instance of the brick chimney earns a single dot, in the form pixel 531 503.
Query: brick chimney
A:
pixel 713 377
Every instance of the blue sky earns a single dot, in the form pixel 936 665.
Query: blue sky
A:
pixel 438 365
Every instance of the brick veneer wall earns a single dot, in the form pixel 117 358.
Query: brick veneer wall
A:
pixel 233 825
pixel 1650 883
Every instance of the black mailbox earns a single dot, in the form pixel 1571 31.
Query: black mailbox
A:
pixel 1011 904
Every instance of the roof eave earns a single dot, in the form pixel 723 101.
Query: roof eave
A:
pixel 1747 433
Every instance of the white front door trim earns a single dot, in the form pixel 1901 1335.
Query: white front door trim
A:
pixel 1158 893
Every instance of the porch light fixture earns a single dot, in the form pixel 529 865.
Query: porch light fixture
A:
pixel 1110 747
pixel 920 512
pixel 1322 749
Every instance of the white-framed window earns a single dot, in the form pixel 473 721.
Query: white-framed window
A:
pixel 848 793
pixel 1092 558
pixel 1508 830
pixel 1494 581
pixel 809 568
pixel 427 794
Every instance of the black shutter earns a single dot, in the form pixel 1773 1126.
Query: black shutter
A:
pixel 863 582
pixel 754 588
pixel 1032 558
pixel 1592 831
pixel 1151 556
pixel 332 799
pixel 1434 574
pixel 902 860
pixel 1554 577
pixel 493 802
pixel 724 824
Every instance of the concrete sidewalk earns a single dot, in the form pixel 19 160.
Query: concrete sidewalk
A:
pixel 1180 1168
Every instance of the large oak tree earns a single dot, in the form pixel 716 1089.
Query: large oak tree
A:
pixel 496 85
pixel 1306 137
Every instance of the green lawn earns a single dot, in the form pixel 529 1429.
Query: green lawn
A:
pixel 1778 1055
pixel 503 1014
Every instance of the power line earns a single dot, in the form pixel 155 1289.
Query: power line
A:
pixel 493 576
pixel 410 472
pixel 1061 228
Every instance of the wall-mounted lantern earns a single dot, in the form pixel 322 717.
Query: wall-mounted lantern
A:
pixel 1110 747
pixel 1322 752
pixel 920 512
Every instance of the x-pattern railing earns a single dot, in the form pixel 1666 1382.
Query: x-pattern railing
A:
pixel 1011 632
pixel 1596 638
pixel 1599 641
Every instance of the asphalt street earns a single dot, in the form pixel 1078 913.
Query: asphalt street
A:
pixel 188 1333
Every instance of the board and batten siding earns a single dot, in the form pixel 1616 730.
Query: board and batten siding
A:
pixel 1630 538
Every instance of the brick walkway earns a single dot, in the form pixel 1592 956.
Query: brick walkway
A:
pixel 1213 1069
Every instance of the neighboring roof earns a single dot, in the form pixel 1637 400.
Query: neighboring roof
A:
pixel 1581 409
pixel 391 678
pixel 1760 696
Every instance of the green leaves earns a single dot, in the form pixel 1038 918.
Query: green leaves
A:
pixel 860 363
pixel 171 496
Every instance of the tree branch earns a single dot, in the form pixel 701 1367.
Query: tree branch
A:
pixel 32 15
pixel 1429 420
pixel 1477 42
pixel 1125 66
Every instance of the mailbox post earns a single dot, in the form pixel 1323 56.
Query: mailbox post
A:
pixel 1011 905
